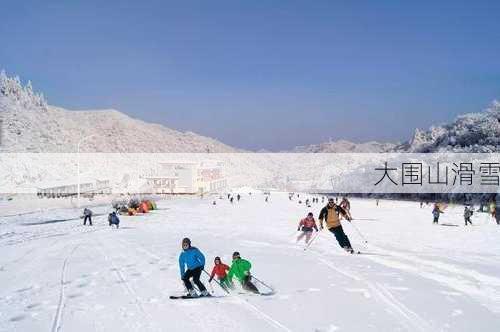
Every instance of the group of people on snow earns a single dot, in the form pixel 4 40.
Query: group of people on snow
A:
pixel 192 264
pixel 331 215
pixel 468 213
pixel 112 218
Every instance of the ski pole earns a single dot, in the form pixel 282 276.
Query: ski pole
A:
pixel 367 219
pixel 218 283
pixel 361 235
pixel 310 242
pixel 270 288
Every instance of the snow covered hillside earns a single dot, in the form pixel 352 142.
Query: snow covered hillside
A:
pixel 474 132
pixel 61 276
pixel 30 125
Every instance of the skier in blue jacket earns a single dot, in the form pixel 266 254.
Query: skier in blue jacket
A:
pixel 193 259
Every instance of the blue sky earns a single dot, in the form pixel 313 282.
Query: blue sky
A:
pixel 262 74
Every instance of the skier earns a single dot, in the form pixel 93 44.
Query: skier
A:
pixel 467 214
pixel 220 270
pixel 240 268
pixel 494 213
pixel 231 199
pixel 436 212
pixel 267 199
pixel 331 214
pixel 193 259
pixel 87 215
pixel 345 204
pixel 307 225
pixel 113 219
pixel 238 197
pixel 214 203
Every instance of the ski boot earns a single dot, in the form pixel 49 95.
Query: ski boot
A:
pixel 192 293
pixel 349 250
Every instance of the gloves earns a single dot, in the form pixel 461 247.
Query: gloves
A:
pixel 298 229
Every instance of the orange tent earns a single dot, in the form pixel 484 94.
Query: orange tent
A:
pixel 143 208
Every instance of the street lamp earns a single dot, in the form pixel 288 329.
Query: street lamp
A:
pixel 78 167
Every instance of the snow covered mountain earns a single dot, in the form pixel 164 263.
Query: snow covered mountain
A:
pixel 343 146
pixel 474 132
pixel 29 124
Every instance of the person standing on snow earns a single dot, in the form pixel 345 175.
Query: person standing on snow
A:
pixel 307 225
pixel 240 268
pixel 87 215
pixel 331 214
pixel 238 197
pixel 467 214
pixel 193 259
pixel 220 270
pixel 436 212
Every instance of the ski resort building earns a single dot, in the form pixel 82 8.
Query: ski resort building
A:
pixel 88 187
pixel 188 178
pixel 161 184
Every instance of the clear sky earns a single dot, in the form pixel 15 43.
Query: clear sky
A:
pixel 261 74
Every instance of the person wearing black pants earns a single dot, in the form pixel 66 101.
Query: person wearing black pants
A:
pixel 195 274
pixel 249 286
pixel 87 215
pixel 331 214
pixel 342 239
pixel 191 264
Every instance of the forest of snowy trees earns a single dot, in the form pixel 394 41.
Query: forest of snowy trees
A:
pixel 12 88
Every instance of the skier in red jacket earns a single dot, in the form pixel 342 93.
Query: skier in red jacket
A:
pixel 307 225
pixel 220 270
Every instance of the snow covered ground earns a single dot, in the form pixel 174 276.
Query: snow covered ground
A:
pixel 58 275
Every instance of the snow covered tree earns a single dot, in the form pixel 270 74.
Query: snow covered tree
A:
pixel 13 89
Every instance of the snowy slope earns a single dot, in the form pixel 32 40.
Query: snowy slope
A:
pixel 62 276
pixel 29 124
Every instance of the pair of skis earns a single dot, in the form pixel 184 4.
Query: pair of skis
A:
pixel 185 297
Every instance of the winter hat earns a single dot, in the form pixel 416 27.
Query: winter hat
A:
pixel 236 254
pixel 310 214
pixel 187 241
pixel 217 259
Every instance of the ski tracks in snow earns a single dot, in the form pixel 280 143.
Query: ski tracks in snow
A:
pixel 129 290
pixel 484 288
pixel 408 318
pixel 56 326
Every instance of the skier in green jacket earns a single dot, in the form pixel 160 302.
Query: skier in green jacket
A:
pixel 240 268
